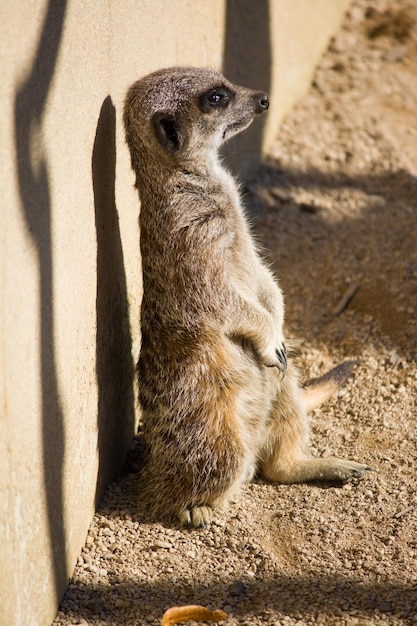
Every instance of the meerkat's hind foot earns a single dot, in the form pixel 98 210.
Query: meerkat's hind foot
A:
pixel 198 516
pixel 342 470
pixel 313 469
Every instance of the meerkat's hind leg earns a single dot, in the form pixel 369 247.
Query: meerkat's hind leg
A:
pixel 285 458
pixel 287 463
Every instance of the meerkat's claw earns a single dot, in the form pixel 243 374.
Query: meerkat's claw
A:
pixel 282 357
pixel 359 472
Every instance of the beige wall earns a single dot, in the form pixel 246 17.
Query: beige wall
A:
pixel 70 267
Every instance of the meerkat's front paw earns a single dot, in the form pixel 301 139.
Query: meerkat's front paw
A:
pixel 276 357
pixel 282 358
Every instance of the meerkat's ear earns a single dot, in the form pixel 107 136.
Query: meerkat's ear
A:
pixel 168 132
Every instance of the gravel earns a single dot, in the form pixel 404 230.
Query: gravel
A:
pixel 335 206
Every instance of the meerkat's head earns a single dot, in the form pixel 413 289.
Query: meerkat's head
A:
pixel 180 114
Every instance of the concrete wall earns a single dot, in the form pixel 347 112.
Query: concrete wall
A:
pixel 70 267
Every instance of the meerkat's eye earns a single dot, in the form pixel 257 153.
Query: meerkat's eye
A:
pixel 215 98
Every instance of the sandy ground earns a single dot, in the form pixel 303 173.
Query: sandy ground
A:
pixel 335 207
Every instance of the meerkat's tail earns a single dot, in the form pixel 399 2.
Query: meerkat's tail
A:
pixel 319 390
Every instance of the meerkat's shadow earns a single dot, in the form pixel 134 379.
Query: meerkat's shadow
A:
pixel 114 364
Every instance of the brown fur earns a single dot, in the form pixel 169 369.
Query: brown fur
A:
pixel 218 399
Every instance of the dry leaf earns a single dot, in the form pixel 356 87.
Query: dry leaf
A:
pixel 177 614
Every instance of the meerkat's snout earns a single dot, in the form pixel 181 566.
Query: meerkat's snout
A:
pixel 244 105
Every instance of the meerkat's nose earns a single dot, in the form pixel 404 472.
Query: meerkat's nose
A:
pixel 262 103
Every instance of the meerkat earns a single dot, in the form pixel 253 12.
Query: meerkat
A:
pixel 220 397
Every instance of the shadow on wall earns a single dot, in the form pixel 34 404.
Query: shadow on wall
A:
pixel 29 106
pixel 113 344
pixel 247 62
pixel 114 365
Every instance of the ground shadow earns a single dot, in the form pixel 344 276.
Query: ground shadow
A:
pixel 114 364
pixel 330 596
pixel 247 61
pixel 29 107
pixel 374 247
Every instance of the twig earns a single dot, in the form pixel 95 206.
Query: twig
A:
pixel 403 512
pixel 345 299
